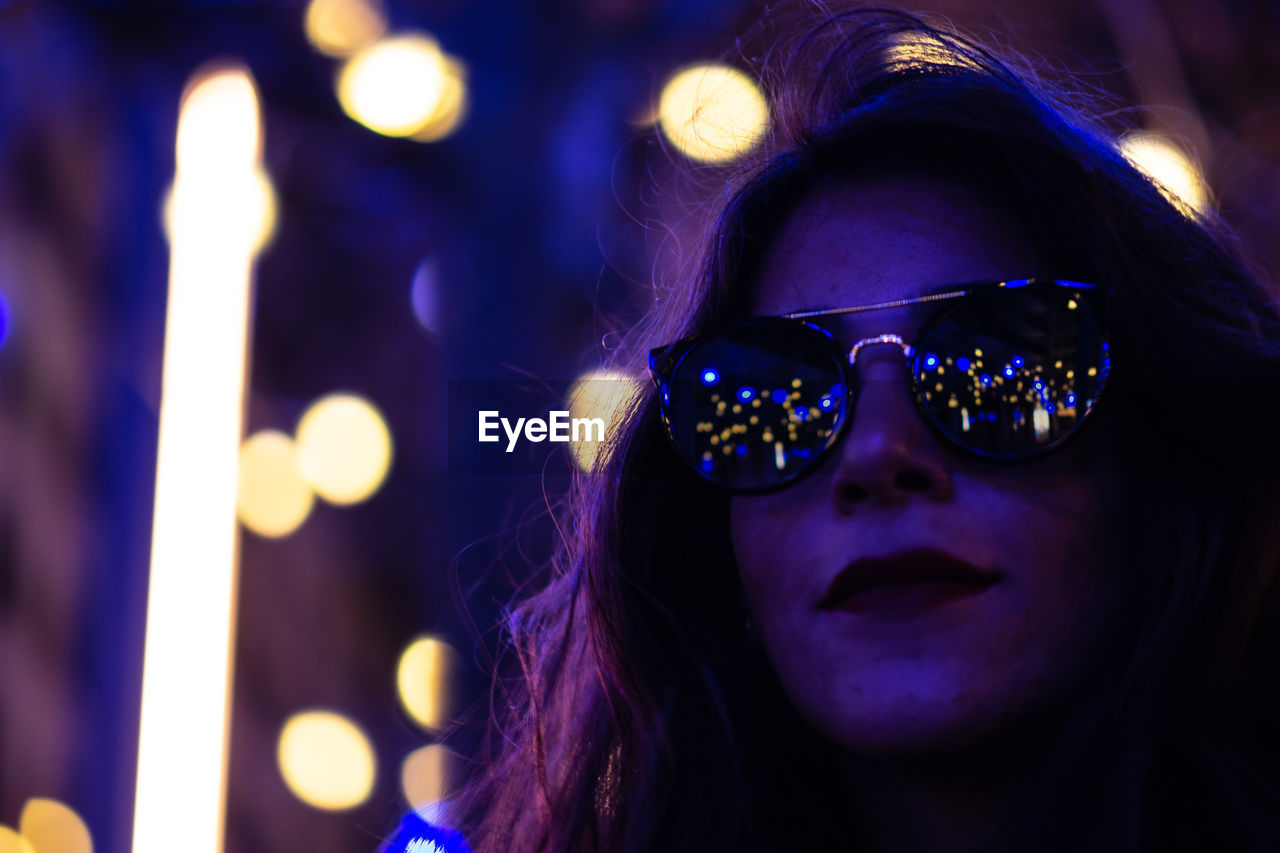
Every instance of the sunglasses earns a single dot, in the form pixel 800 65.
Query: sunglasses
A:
pixel 1005 371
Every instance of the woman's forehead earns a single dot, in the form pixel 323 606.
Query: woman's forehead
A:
pixel 873 239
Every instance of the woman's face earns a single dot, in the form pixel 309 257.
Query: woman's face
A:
pixel 931 665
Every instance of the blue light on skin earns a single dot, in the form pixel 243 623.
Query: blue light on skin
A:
pixel 930 360
pixel 985 379
pixel 962 364
pixel 710 376
pixel 780 396
pixel 745 394
pixel 1017 361
pixel 4 320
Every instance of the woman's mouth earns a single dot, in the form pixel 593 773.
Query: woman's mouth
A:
pixel 905 582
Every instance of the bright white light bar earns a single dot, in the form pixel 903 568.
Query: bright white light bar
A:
pixel 215 218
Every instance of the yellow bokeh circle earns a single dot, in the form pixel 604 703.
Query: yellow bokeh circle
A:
pixel 272 498
pixel 12 842
pixel 427 780
pixel 341 27
pixel 712 113
pixel 326 760
pixel 422 681
pixel 344 448
pixel 607 395
pixel 50 825
pixel 395 85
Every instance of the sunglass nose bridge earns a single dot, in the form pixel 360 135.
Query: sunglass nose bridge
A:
pixel 880 339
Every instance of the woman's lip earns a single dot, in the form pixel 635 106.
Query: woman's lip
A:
pixel 917 577
pixel 901 599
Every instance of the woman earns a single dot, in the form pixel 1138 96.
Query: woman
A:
pixel 1011 597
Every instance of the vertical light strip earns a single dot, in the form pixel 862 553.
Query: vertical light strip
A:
pixel 215 216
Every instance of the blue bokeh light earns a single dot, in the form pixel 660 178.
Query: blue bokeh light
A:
pixel 710 376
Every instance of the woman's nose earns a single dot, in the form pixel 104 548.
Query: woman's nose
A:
pixel 887 455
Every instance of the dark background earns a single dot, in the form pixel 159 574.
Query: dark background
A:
pixel 543 222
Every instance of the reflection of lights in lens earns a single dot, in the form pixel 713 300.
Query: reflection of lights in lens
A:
pixel 1017 361
pixel 826 403
pixel 1071 399
pixel 710 377
pixel 395 85
pixel 273 499
pixel 49 825
pixel 426 778
pixel 985 379
pixel 1008 371
pixel 605 395
pixel 422 681
pixel 779 396
pixel 326 760
pixel 1038 385
pixel 712 113
pixel 930 360
pixel 1170 167
pixel 745 394
pixel 214 232
pixel 12 842
pixel 962 364
pixel 451 107
pixel 344 448
pixel 341 27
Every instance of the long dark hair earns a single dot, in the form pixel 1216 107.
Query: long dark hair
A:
pixel 634 711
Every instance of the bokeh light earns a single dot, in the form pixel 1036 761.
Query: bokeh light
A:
pixel 12 842
pixel 395 85
pixel 422 681
pixel 326 760
pixel 1169 166
pixel 220 186
pixel 712 113
pixel 426 779
pixel 272 498
pixel 450 109
pixel 424 295
pixel 214 228
pixel 5 322
pixel 600 394
pixel 51 826
pixel 341 27
pixel 343 448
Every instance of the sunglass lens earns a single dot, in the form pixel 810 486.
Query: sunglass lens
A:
pixel 1011 375
pixel 755 404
